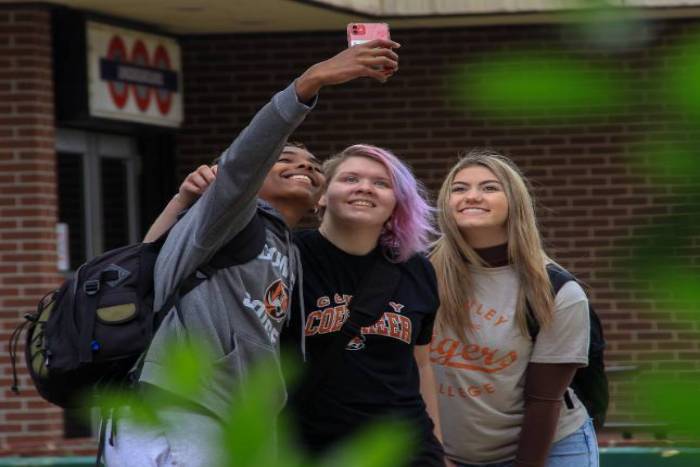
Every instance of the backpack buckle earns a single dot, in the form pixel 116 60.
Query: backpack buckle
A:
pixel 91 287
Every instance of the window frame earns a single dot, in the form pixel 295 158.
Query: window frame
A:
pixel 93 147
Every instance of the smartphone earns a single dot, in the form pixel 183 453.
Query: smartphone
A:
pixel 359 33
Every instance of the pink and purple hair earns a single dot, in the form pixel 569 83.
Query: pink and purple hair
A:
pixel 409 228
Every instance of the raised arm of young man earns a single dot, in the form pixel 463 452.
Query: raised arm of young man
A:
pixel 230 202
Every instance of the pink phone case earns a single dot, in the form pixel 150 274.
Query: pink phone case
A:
pixel 359 33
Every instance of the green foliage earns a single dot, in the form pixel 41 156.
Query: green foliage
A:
pixel 251 436
pixel 682 285
pixel 674 160
pixel 672 400
pixel 188 366
pixel 683 78
pixel 533 84
pixel 379 446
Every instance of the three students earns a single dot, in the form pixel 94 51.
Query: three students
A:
pixel 499 392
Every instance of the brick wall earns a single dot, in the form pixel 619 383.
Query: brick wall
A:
pixel 27 215
pixel 593 200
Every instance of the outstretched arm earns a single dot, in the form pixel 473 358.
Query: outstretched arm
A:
pixel 194 185
pixel 230 202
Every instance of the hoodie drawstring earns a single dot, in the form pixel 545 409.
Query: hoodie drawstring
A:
pixel 296 269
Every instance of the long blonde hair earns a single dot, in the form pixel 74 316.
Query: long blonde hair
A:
pixel 452 255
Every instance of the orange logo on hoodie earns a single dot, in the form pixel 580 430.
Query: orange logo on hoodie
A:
pixel 276 300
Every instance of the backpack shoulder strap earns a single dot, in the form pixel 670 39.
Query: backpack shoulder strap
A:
pixel 558 276
pixel 243 247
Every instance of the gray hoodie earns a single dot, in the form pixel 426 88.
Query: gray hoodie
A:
pixel 240 310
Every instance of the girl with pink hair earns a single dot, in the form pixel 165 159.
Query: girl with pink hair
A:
pixel 372 207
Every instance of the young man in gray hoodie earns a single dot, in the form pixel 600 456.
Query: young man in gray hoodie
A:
pixel 240 310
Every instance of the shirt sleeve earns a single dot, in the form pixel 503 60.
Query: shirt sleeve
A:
pixel 566 339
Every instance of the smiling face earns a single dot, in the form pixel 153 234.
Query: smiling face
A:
pixel 479 206
pixel 360 194
pixel 295 177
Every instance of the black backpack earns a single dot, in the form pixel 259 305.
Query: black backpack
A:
pixel 89 333
pixel 590 383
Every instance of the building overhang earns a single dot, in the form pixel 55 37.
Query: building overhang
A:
pixel 194 17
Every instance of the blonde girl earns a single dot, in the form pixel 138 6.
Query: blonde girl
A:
pixel 499 391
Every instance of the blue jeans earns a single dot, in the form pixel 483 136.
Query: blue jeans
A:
pixel 579 449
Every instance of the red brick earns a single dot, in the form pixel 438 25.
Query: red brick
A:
pixel 31 416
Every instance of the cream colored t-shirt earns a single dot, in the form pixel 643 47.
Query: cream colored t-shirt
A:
pixel 481 382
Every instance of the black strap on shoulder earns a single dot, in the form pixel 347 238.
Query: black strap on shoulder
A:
pixel 558 276
pixel 365 309
pixel 244 247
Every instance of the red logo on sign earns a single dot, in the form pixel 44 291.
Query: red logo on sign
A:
pixel 119 90
pixel 163 97
pixel 135 74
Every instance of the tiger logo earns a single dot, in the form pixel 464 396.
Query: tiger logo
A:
pixel 276 300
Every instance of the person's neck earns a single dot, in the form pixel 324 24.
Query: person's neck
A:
pixel 292 213
pixel 352 239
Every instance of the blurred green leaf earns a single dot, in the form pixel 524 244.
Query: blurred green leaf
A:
pixel 684 286
pixel 533 84
pixel 253 435
pixel 385 444
pixel 675 160
pixel 250 434
pixel 141 408
pixel 682 79
pixel 672 400
pixel 189 364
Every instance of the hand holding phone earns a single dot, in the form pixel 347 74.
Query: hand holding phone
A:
pixel 376 59
pixel 360 33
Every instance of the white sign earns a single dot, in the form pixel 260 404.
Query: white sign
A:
pixel 133 76
pixel 62 251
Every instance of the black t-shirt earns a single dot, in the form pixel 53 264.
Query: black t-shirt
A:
pixel 376 374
